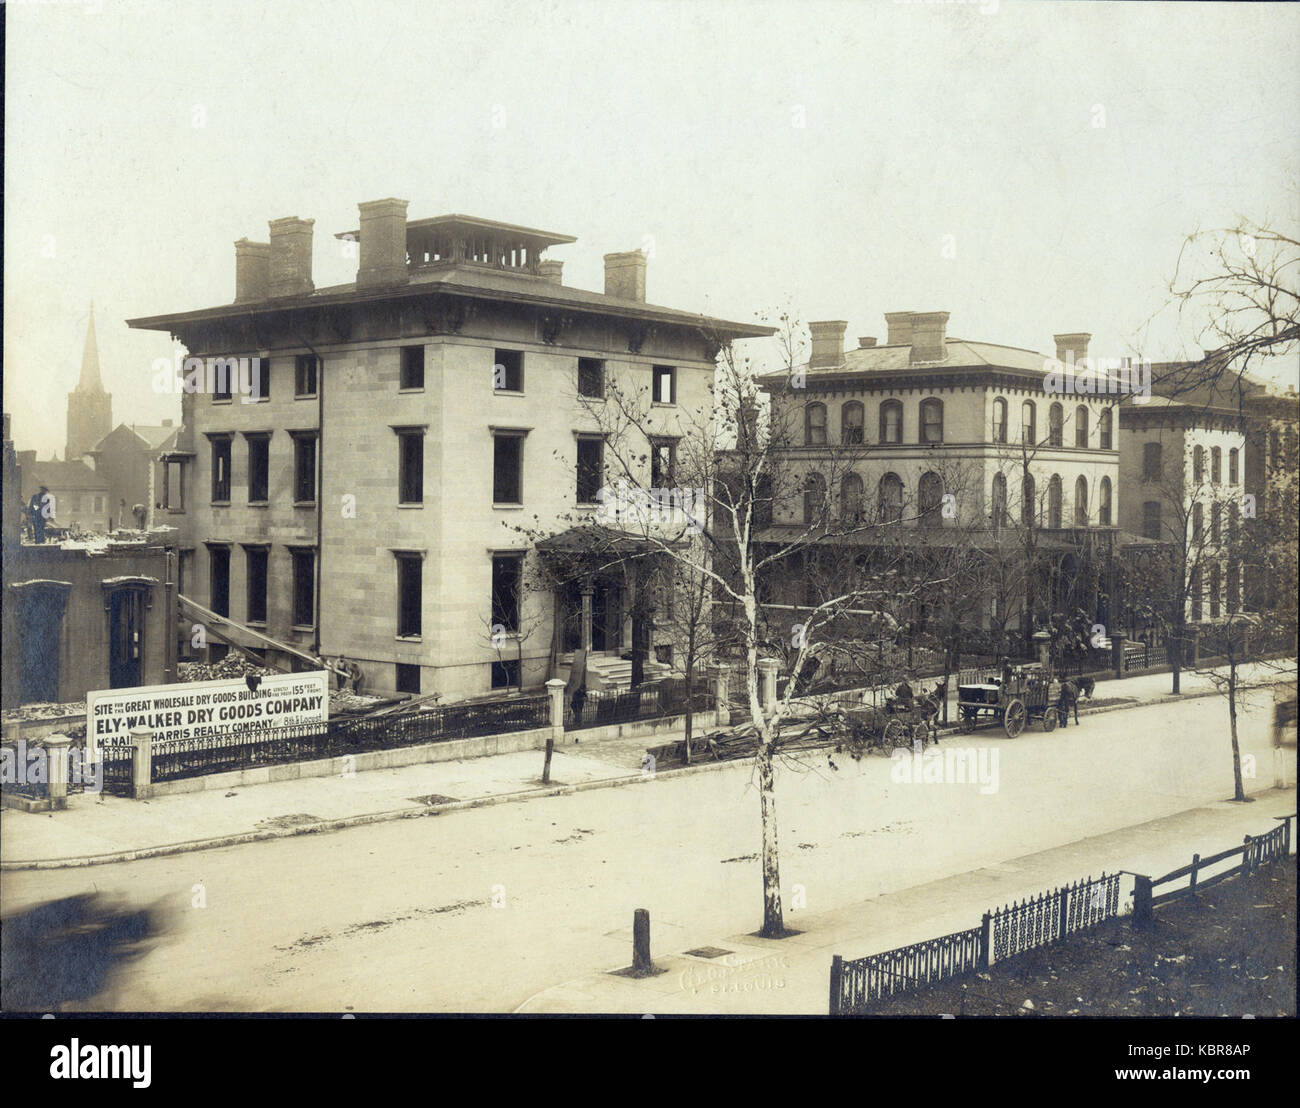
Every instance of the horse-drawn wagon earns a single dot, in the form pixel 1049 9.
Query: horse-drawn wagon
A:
pixel 1020 696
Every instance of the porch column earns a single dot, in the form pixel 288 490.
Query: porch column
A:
pixel 587 591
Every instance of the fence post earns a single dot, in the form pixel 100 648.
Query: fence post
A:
pixel 837 979
pixel 1196 861
pixel 986 940
pixel 141 763
pixel 1246 861
pixel 555 690
pixel 1141 901
pixel 1117 653
pixel 721 695
pixel 1064 911
pixel 767 668
pixel 56 747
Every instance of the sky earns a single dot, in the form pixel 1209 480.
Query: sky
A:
pixel 1030 167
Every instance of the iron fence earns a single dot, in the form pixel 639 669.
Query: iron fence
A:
pixel 857 983
pixel 19 772
pixel 115 767
pixel 1052 916
pixel 655 701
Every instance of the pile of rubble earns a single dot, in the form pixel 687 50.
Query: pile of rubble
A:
pixel 232 665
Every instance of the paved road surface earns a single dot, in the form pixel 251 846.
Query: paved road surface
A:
pixel 401 916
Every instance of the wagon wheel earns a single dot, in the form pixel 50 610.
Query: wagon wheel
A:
pixel 893 735
pixel 920 734
pixel 1013 721
pixel 1049 720
pixel 968 717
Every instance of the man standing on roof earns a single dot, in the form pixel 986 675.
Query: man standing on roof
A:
pixel 36 509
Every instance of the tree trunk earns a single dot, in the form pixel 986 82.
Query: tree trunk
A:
pixel 773 919
pixel 1238 793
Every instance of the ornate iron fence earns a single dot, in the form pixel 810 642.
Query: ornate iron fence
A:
pixel 663 698
pixel 115 766
pixel 1051 916
pixel 855 984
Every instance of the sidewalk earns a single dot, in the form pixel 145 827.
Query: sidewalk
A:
pixel 749 975
pixel 100 829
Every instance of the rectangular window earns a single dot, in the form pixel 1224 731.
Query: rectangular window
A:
pixel 591 468
pixel 219 579
pixel 1151 519
pixel 255 558
pixel 221 469
pixel 304 467
pixel 1151 461
pixel 410 595
pixel 412 367
pixel 410 466
pixel 304 587
pixel 507 469
pixel 173 485
pixel 507 576
pixel 259 468
pixel 508 370
pixel 591 378
pixel 663 461
pixel 1197 595
pixel 408 678
pixel 306 368
pixel 260 379
pixel 505 673
pixel 184 572
pixel 665 384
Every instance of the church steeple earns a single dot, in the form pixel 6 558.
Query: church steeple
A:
pixel 90 408
pixel 90 381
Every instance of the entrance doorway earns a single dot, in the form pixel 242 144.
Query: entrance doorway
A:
pixel 40 642
pixel 125 638
pixel 606 617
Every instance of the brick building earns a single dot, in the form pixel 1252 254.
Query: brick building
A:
pixel 128 458
pixel 367 495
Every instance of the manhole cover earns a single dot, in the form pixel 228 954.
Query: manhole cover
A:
pixel 708 952
pixel 432 800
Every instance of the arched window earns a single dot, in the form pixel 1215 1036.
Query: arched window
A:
pixel 1216 521
pixel 931 420
pixel 815 424
pixel 1198 465
pixel 999 513
pixel 814 499
pixel 1081 427
pixel 891 421
pixel 1104 507
pixel 1054 500
pixel 851 499
pixel 1081 501
pixel 1216 587
pixel 1197 594
pixel 1056 425
pixel 1104 426
pixel 999 420
pixel 929 498
pixel 1028 422
pixel 851 423
pixel 891 498
pixel 1029 502
pixel 1233 474
pixel 1216 465
pixel 1198 522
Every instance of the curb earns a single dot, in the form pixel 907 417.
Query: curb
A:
pixel 363 820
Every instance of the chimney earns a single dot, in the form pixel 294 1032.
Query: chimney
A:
pixel 290 253
pixel 383 243
pixel 1072 348
pixel 827 343
pixel 900 328
pixel 866 342
pixel 625 275
pixel 252 271
pixel 549 269
pixel 929 330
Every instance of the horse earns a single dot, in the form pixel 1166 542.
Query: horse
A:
pixel 928 707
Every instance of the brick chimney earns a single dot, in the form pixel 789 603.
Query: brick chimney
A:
pixel 827 343
pixel 1072 347
pixel 866 342
pixel 900 328
pixel 290 253
pixel 550 271
pixel 929 334
pixel 252 271
pixel 625 275
pixel 383 243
